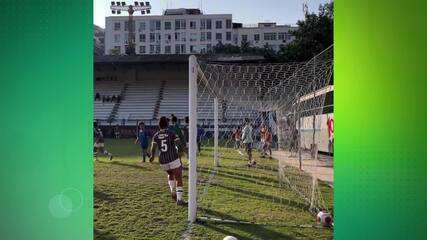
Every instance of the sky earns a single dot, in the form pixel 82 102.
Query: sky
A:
pixel 244 11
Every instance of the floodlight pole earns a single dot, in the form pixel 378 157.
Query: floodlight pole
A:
pixel 131 33
pixel 130 50
pixel 216 132
pixel 192 151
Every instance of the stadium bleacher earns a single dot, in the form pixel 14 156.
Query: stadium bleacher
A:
pixel 103 110
pixel 149 100
pixel 139 102
pixel 174 100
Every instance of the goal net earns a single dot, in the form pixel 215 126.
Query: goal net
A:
pixel 254 136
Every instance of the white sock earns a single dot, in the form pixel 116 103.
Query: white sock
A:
pixel 179 191
pixel 172 185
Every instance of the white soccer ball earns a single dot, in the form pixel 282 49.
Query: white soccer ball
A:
pixel 324 218
pixel 230 238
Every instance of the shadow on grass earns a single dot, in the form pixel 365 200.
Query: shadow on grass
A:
pixel 241 176
pixel 259 231
pixel 275 199
pixel 103 235
pixel 102 196
pixel 128 165
pixel 250 179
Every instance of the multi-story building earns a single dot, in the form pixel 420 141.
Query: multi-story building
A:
pixel 263 34
pixel 186 31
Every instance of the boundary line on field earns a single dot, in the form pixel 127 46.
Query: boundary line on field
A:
pixel 186 235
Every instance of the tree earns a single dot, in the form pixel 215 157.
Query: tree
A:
pixel 314 34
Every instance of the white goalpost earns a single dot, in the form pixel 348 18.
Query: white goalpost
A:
pixel 192 150
pixel 282 105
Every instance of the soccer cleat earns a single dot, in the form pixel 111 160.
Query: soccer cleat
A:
pixel 111 157
pixel 173 195
pixel 181 203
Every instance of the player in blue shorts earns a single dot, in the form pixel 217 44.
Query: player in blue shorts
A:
pixel 142 139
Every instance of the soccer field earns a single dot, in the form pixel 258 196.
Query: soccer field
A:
pixel 132 199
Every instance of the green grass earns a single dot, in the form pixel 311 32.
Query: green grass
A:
pixel 132 199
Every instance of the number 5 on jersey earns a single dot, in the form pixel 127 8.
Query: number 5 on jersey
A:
pixel 164 146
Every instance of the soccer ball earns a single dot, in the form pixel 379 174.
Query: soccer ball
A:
pixel 324 218
pixel 230 238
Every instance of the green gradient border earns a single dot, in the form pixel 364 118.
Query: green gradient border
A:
pixel 46 169
pixel 46 172
pixel 380 85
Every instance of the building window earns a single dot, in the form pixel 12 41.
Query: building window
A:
pixel 183 37
pixel 218 24
pixel 126 38
pixel 203 36
pixel 177 24
pixel 192 24
pixel 206 24
pixel 142 37
pixel 180 24
pixel 193 37
pixel 203 24
pixel 270 36
pixel 281 36
pixel 235 38
pixel 288 36
pixel 152 37
pixel 177 49
pixel 158 25
pixel 152 25
pixel 168 49
pixel 168 37
pixel 228 36
pixel 177 36
pixel 117 26
pixel 126 25
pixel 168 25
pixel 142 26
pixel 218 36
pixel 142 49
pixel 228 23
pixel 158 37
pixel 244 38
pixel 116 38
pixel 158 49
pixel 208 36
pixel 183 48
pixel 152 48
pixel 209 47
pixel 193 49
pixel 256 37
